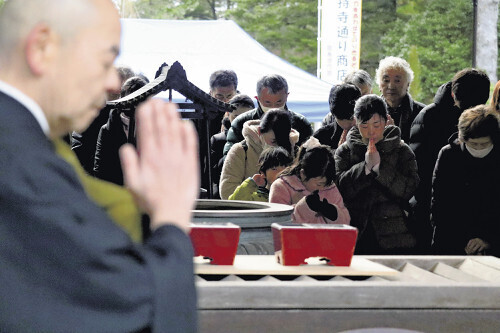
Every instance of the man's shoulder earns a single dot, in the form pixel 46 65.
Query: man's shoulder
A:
pixel 244 117
pixel 219 138
pixel 298 116
pixel 432 113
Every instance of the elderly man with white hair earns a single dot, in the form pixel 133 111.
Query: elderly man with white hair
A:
pixel 394 77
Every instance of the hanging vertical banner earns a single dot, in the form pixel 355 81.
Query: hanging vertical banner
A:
pixel 339 38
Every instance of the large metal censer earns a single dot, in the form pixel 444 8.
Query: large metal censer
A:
pixel 254 218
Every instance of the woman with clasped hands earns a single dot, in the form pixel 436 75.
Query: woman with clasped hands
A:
pixel 377 175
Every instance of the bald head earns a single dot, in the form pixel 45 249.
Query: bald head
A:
pixel 19 17
pixel 60 53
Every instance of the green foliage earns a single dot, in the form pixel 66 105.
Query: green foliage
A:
pixel 434 36
pixel 377 18
pixel 179 10
pixel 286 28
pixel 414 61
pixel 440 43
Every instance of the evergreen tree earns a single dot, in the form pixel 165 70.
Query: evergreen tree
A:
pixel 437 39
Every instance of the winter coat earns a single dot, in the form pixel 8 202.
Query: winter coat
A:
pixel 404 115
pixel 290 190
pixel 377 203
pixel 235 135
pixel 430 131
pixel 242 163
pixel 107 165
pixel 328 119
pixel 465 198
pixel 249 191
pixel 84 144
pixel 329 134
pixel 217 143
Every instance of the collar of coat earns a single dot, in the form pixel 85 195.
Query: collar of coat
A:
pixel 391 139
pixel 296 184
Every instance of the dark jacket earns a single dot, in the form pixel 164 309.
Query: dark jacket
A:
pixel 217 143
pixel 465 198
pixel 377 203
pixel 84 144
pixel 404 115
pixel 430 131
pixel 234 135
pixel 111 137
pixel 329 134
pixel 65 266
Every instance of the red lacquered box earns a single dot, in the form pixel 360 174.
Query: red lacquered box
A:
pixel 217 242
pixel 294 243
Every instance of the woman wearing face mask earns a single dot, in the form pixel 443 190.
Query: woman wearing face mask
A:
pixel 377 175
pixel 274 129
pixel 466 187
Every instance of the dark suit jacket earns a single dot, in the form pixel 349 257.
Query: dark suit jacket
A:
pixel 64 265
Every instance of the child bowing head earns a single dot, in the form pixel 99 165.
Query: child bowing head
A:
pixel 309 185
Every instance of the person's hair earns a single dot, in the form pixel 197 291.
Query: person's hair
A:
pixel 495 99
pixel 359 78
pixel 278 121
pixel 274 157
pixel 19 17
pixel 125 73
pixel 223 78
pixel 369 105
pixel 393 63
pixel 274 82
pixel 132 84
pixel 479 121
pixel 470 87
pixel 315 162
pixel 242 100
pixel 342 99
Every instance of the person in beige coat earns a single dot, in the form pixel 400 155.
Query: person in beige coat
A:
pixel 274 129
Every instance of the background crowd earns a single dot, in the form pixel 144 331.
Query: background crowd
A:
pixel 379 163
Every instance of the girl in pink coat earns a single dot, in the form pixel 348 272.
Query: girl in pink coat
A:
pixel 309 186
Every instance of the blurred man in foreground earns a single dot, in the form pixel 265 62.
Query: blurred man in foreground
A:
pixel 66 267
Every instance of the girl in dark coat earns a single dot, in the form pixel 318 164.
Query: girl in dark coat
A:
pixel 466 187
pixel 377 175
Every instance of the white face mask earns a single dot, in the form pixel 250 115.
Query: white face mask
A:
pixel 479 153
pixel 265 108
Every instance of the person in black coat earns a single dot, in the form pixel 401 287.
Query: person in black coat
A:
pixel 84 143
pixel 272 93
pixel 361 79
pixel 113 135
pixel 466 187
pixel 377 175
pixel 243 104
pixel 431 130
pixel 342 99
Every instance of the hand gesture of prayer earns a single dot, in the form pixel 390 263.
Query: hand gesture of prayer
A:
pixel 163 174
pixel 390 121
pixel 343 137
pixel 372 156
pixel 476 246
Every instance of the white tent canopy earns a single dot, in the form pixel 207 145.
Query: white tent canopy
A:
pixel 203 47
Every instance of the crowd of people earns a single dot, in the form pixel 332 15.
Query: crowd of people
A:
pixel 376 163
pixel 413 179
